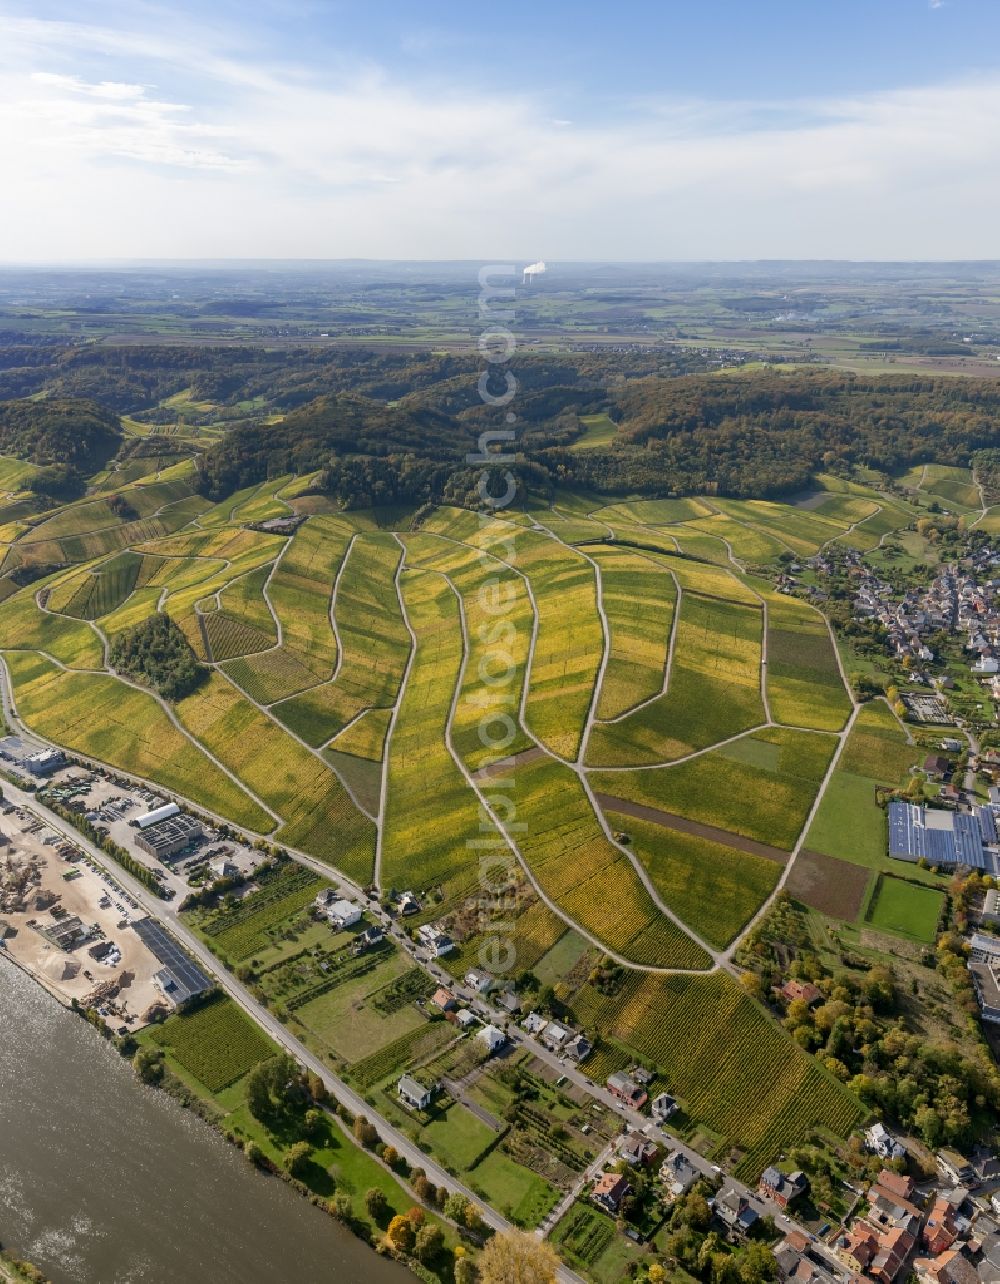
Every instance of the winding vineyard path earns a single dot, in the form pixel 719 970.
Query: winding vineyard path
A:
pixel 476 780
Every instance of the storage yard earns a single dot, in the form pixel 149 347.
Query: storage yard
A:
pixel 70 925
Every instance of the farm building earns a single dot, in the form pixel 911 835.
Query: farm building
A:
pixel 805 990
pixel 179 979
pixel 940 837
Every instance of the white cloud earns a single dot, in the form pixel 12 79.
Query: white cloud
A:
pixel 184 151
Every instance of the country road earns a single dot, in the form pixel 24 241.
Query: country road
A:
pixel 166 913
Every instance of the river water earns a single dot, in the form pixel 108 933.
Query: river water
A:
pixel 103 1181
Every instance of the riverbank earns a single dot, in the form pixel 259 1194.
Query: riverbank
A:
pixel 13 1271
pixel 102 1178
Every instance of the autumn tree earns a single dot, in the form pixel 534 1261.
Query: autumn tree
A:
pixel 514 1257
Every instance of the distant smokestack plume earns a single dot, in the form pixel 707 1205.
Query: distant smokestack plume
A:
pixel 533 269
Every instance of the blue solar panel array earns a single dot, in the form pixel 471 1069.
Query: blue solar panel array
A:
pixel 959 844
pixel 987 823
pixel 188 977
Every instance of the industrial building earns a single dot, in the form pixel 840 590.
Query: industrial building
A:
pixel 157 814
pixel 45 762
pixel 939 837
pixel 165 838
pixel 179 979
pixel 65 933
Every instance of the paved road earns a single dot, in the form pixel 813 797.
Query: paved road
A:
pixel 339 1091
pixel 631 1118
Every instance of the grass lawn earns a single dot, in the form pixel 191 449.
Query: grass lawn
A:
pixel 456 1137
pixel 338 1165
pixel 518 1193
pixel 598 430
pixel 902 907
pixel 343 1021
pixel 740 788
pixel 554 964
pixel 849 823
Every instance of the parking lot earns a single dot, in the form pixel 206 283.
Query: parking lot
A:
pixel 114 808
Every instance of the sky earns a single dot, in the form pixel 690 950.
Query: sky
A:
pixel 660 130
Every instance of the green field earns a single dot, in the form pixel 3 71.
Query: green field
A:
pixel 761 786
pixel 713 691
pixel 910 910
pixel 217 1042
pixel 598 430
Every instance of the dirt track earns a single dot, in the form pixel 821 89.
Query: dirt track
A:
pixel 684 826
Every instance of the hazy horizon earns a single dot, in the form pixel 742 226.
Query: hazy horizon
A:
pixel 675 133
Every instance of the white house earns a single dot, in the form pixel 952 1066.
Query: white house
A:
pixel 555 1035
pixel 436 939
pixel 493 1037
pixel 881 1142
pixel 534 1023
pixel 343 914
pixel 413 1093
pixel 481 982
pixel 664 1107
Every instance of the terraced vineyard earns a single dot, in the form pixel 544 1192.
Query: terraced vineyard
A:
pixel 604 708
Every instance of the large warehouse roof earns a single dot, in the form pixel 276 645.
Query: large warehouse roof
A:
pixel 189 978
pixel 941 837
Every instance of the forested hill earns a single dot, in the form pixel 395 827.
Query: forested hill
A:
pixel 70 431
pixel 370 452
pixel 764 434
pixel 746 435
